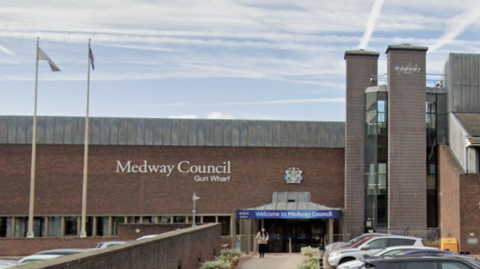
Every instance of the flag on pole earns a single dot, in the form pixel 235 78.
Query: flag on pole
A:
pixel 43 56
pixel 90 55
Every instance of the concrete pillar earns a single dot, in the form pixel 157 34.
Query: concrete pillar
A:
pixel 248 234
pixel 254 233
pixel 243 240
pixel 407 190
pixel 330 231
pixel 233 229
pixel 362 70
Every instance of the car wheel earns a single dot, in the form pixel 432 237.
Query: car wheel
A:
pixel 346 260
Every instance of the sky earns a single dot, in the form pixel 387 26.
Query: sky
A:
pixel 215 59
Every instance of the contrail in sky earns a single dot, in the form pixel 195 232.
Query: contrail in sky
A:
pixel 372 19
pixel 7 51
pixel 456 26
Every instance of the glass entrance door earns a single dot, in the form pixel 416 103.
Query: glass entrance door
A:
pixel 298 233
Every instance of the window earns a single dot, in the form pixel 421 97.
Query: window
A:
pixel 115 222
pixel 21 226
pixel 209 219
pixel 392 252
pixel 453 265
pixel 421 265
pixel 179 219
pixel 378 244
pixel 54 226
pixel 38 226
pixel 164 219
pixel 5 227
pixel 103 226
pixel 71 225
pixel 391 265
pixel 225 221
pixel 393 242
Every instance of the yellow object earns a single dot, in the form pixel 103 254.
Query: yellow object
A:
pixel 449 243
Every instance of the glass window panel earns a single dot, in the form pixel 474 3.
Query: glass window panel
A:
pixel 225 221
pixel 6 226
pixel 421 265
pixel 21 227
pixel 115 222
pixel 71 225
pixel 103 226
pixel 378 244
pixel 382 106
pixel 190 218
pixel 165 219
pixel 452 265
pixel 38 226
pixel 179 219
pixel 54 226
pixel 208 219
pixel 371 102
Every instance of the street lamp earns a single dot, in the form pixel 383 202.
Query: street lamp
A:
pixel 194 198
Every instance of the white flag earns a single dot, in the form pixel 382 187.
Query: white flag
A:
pixel 43 56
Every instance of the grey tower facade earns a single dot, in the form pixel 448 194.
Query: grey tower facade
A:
pixel 407 201
pixel 361 72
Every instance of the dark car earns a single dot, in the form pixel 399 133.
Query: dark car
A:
pixel 425 262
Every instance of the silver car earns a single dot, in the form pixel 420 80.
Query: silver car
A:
pixel 370 247
pixel 388 252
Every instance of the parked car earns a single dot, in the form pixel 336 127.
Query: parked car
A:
pixel 147 236
pixel 352 241
pixel 107 244
pixel 8 264
pixel 425 262
pixel 358 243
pixel 388 252
pixel 63 251
pixel 36 258
pixel 370 247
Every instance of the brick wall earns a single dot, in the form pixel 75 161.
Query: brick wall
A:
pixel 255 174
pixel 470 212
pixel 133 231
pixel 449 190
pixel 459 201
pixel 359 70
pixel 28 246
pixel 406 141
pixel 183 249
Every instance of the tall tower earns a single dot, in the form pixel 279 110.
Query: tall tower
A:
pixel 407 201
pixel 361 72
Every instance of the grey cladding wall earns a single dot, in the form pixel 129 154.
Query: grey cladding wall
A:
pixel 173 132
pixel 462 74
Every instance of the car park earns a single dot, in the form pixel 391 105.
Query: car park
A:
pixel 387 252
pixel 425 262
pixel 370 247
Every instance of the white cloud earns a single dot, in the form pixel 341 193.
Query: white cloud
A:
pixel 372 20
pixel 457 25
pixel 184 116
pixel 219 115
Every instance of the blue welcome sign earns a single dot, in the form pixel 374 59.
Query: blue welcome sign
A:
pixel 289 214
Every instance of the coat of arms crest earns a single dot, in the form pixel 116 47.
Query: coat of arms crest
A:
pixel 293 175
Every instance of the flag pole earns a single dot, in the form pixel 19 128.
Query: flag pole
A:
pixel 83 232
pixel 30 233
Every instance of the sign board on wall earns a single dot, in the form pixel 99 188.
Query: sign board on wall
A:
pixel 289 214
pixel 203 173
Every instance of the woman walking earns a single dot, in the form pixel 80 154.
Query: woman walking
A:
pixel 262 237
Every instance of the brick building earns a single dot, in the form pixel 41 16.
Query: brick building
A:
pixel 406 161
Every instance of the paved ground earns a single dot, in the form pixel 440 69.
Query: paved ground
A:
pixel 271 261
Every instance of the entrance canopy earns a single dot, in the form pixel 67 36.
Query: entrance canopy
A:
pixel 290 205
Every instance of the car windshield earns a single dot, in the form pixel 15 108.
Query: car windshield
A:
pixel 360 242
pixel 99 245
